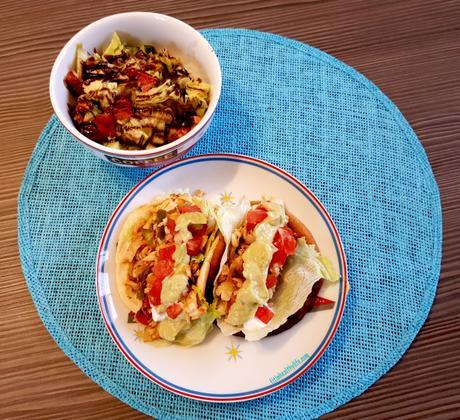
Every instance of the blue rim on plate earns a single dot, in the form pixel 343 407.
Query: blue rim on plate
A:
pixel 230 397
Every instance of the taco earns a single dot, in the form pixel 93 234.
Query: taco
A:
pixel 271 273
pixel 167 252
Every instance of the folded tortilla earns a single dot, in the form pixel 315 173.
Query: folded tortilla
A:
pixel 297 283
pixel 137 254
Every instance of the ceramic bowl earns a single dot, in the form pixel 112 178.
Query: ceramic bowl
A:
pixel 161 31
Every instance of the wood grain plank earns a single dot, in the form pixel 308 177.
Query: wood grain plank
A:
pixel 409 49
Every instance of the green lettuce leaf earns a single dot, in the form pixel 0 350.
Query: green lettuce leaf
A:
pixel 297 279
pixel 198 330
pixel 115 47
pixel 327 270
pixel 80 56
pixel 170 328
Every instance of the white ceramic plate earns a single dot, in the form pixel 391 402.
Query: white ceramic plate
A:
pixel 226 369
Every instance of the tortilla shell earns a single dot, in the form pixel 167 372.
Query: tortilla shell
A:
pixel 124 256
pixel 216 257
pixel 302 232
pixel 126 251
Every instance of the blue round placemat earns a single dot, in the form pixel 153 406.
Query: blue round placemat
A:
pixel 313 116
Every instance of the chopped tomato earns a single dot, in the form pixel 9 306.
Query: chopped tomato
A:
pixel 285 241
pixel 194 245
pixel 278 259
pixel 288 229
pixel 177 133
pixel 161 270
pixel 122 109
pixel 189 208
pixel 155 292
pixel 143 317
pixel 167 252
pixel 171 225
pixel 286 244
pixel 265 314
pixel 198 229
pixel 196 119
pixel 174 310
pixel 132 73
pixel 254 217
pixel 105 125
pixel 73 83
pixel 320 301
pixel 146 81
pixel 271 281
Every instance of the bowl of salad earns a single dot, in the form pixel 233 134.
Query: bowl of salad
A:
pixel 136 89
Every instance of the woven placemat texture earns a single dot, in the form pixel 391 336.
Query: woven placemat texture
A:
pixel 313 116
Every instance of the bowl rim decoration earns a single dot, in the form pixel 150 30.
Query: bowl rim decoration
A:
pixel 133 154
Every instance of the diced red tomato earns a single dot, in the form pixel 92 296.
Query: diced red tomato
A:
pixel 254 217
pixel 122 109
pixel 105 125
pixel 143 317
pixel 161 270
pixel 285 241
pixel 171 225
pixel 73 83
pixel 189 208
pixel 320 301
pixel 132 73
pixel 198 229
pixel 278 259
pixel 288 229
pixel 177 133
pixel 194 245
pixel 174 310
pixel 271 281
pixel 265 314
pixel 155 292
pixel 167 252
pixel 146 81
pixel 196 119
pixel 286 244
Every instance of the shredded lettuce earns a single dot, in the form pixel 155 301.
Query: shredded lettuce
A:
pixel 80 56
pixel 297 280
pixel 198 258
pixel 131 50
pixel 115 47
pixel 198 330
pixel 197 94
pixel 327 270
pixel 170 328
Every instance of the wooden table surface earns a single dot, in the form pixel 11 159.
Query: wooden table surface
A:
pixel 410 49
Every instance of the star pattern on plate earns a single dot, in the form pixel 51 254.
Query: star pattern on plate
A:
pixel 233 352
pixel 227 199
pixel 138 335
